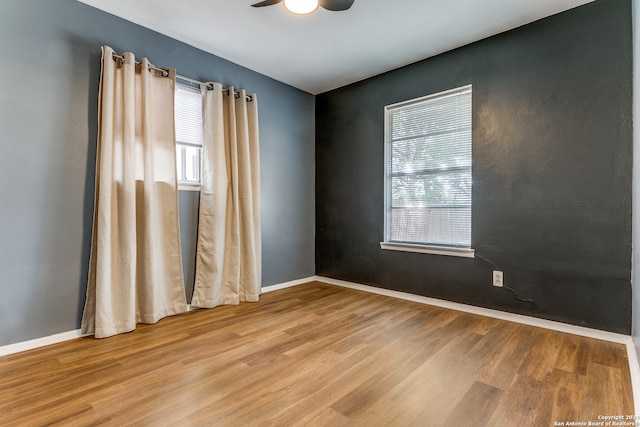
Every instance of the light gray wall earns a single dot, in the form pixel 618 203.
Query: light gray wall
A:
pixel 189 203
pixel 48 107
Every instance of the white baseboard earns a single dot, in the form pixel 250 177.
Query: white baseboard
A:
pixel 70 335
pixel 290 284
pixel 632 355
pixel 518 318
pixel 39 342
pixel 634 369
pixel 503 315
pixel 634 365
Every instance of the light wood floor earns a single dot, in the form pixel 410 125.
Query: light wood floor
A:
pixel 319 355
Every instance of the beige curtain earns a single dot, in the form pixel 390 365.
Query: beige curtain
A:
pixel 229 249
pixel 135 271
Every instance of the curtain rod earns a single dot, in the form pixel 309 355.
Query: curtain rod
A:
pixel 187 79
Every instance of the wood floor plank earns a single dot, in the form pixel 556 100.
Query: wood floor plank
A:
pixel 560 398
pixel 542 356
pixel 358 362
pixel 437 394
pixel 476 407
pixel 501 371
pixel 520 403
pixel 601 382
pixel 319 355
pixel 574 354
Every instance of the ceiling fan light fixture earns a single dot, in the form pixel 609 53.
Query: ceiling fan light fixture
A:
pixel 301 7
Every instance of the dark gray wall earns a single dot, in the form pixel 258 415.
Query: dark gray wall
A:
pixel 48 108
pixel 551 172
pixel 635 325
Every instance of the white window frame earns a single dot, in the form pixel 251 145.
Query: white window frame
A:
pixel 192 139
pixel 420 247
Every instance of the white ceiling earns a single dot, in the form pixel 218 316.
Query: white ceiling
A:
pixel 326 50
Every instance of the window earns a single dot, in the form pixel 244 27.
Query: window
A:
pixel 188 121
pixel 428 174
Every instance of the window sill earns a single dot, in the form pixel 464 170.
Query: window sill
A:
pixel 188 187
pixel 424 249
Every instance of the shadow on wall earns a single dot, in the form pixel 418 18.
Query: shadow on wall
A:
pixel 81 49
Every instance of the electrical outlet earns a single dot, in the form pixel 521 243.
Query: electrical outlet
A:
pixel 498 278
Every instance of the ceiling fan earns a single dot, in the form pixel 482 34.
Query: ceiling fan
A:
pixel 302 7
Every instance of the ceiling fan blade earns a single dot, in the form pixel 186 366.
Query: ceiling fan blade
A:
pixel 336 5
pixel 266 3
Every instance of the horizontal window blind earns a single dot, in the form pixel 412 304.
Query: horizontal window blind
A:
pixel 189 133
pixel 428 170
pixel 188 115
